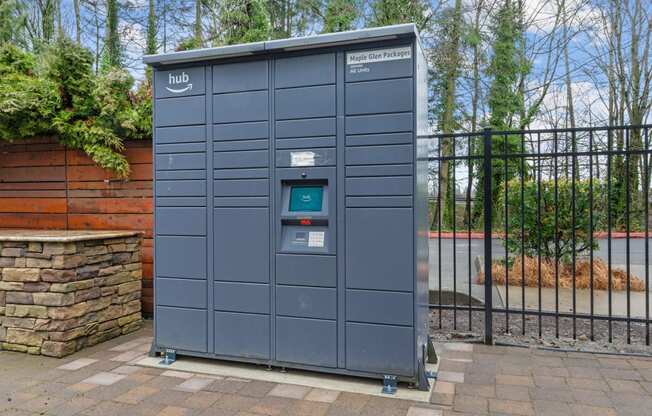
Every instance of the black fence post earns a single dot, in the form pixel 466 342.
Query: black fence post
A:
pixel 487 200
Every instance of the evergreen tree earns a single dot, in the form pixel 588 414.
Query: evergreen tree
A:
pixel 243 21
pixel 77 7
pixel 290 18
pixel 48 14
pixel 504 98
pixel 197 25
pixel 13 20
pixel 113 49
pixel 447 58
pixel 505 102
pixel 150 47
pixel 340 15
pixel 391 12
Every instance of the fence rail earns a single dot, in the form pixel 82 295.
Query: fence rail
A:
pixel 549 203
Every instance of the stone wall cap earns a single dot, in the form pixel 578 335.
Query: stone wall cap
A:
pixel 63 236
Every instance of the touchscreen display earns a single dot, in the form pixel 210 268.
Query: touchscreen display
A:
pixel 306 198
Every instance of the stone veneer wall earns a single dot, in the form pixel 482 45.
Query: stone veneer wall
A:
pixel 59 297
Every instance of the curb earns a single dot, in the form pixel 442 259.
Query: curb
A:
pixel 480 235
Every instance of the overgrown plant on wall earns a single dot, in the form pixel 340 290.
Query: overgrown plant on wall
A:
pixel 59 94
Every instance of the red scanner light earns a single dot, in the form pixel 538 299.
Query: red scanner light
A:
pixel 305 222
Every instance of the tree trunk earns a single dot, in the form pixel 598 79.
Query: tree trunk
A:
pixel 198 26
pixel 77 22
pixel 447 122
pixel 47 20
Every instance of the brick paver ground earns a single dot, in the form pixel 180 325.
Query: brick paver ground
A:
pixel 473 380
pixel 492 380
pixel 102 381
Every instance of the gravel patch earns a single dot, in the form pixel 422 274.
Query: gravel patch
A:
pixel 544 332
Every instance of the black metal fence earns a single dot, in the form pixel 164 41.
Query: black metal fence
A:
pixel 542 233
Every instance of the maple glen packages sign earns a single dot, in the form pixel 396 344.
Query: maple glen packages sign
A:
pixel 290 203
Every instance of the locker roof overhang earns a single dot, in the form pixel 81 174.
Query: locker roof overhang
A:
pixel 292 44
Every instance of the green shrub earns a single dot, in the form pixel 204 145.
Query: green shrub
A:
pixel 545 236
pixel 62 96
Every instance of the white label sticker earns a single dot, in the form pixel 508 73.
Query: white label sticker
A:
pixel 378 55
pixel 316 239
pixel 302 159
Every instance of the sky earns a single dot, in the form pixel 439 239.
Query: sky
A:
pixel 585 48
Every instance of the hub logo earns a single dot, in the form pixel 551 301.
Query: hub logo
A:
pixel 178 80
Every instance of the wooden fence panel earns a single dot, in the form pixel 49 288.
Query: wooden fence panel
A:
pixel 43 185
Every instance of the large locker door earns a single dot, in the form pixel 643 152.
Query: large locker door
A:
pixel 379 230
pixel 181 201
pixel 241 210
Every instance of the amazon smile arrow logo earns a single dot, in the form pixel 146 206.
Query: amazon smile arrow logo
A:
pixel 179 90
pixel 174 79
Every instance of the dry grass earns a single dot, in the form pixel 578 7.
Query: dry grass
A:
pixel 582 275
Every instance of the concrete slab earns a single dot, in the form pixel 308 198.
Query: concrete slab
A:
pixel 422 411
pixel 296 377
pixel 582 300
pixel 177 374
pixel 444 271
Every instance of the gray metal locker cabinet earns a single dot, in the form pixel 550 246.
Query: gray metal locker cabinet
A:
pixel 291 203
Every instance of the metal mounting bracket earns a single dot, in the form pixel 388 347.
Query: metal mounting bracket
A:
pixel 169 357
pixel 390 384
pixel 432 354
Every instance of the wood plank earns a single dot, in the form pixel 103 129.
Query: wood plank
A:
pixel 25 220
pixel 32 194
pixel 148 307
pixel 109 193
pixel 33 205
pixel 110 205
pixel 96 173
pixel 138 143
pixel 147 271
pixel 32 185
pixel 140 222
pixel 139 155
pixel 146 254
pixel 29 174
pixel 32 144
pixel 77 157
pixel 111 185
pixel 136 152
pixel 35 159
